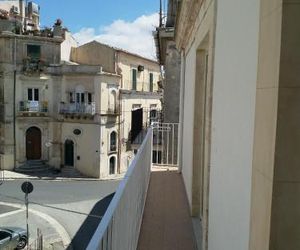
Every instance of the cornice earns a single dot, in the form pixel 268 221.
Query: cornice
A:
pixel 186 19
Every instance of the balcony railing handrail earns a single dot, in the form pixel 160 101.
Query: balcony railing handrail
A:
pixel 117 217
pixel 77 108
pixel 33 106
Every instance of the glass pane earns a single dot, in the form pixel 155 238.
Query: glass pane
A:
pixel 34 51
pixel 29 94
pixel 36 94
pixel 151 82
pixel 134 79
pixel 71 97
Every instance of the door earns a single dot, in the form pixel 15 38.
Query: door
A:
pixel 69 153
pixel 136 123
pixel 33 143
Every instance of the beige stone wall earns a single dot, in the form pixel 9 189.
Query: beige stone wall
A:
pixel 95 53
pixel 86 146
pixel 127 62
pixel 285 219
pixel 265 122
pixel 196 105
pixel 50 48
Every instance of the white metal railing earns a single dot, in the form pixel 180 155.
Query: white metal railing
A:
pixel 33 106
pixel 120 226
pixel 77 108
pixel 165 143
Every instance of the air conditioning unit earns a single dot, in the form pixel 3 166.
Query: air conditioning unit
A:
pixel 140 68
pixel 14 10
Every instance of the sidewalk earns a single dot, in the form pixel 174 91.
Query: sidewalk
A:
pixel 166 224
pixel 11 175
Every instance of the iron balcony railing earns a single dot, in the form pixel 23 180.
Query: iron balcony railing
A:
pixel 33 106
pixel 77 108
pixel 120 226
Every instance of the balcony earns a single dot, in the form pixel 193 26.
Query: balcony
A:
pixel 149 209
pixel 77 109
pixel 33 108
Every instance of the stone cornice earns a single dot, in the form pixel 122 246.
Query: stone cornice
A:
pixel 186 18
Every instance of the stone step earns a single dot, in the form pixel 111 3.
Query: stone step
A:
pixel 33 166
pixel 35 162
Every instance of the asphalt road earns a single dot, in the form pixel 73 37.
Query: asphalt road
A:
pixel 76 205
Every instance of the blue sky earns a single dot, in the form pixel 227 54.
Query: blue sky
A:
pixel 124 24
pixel 78 14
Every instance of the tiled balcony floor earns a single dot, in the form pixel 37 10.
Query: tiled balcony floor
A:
pixel 166 224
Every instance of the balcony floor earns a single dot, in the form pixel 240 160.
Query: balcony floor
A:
pixel 167 224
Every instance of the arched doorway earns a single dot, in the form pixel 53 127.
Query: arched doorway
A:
pixel 33 143
pixel 112 165
pixel 69 153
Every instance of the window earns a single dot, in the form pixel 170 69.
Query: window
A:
pixel 33 94
pixel 89 98
pixel 112 101
pixel 71 97
pixel 112 165
pixel 76 131
pixel 133 79
pixel 34 51
pixel 113 141
pixel 80 98
pixel 151 82
pixel 4 235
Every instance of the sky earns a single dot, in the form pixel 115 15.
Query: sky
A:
pixel 123 24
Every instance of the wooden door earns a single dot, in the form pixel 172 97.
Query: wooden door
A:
pixel 69 153
pixel 33 143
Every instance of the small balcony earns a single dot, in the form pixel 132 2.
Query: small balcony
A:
pixel 77 108
pixel 149 209
pixel 33 108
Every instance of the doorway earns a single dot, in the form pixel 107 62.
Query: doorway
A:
pixel 69 153
pixel 33 143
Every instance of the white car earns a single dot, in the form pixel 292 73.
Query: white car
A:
pixel 12 238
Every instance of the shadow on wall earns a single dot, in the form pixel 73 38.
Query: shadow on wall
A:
pixel 89 226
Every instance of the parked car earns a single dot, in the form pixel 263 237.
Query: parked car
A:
pixel 12 238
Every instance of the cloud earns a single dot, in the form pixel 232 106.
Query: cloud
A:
pixel 135 36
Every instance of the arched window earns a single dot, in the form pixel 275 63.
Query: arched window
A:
pixel 113 141
pixel 112 165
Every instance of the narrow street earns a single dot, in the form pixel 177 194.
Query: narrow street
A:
pixel 65 211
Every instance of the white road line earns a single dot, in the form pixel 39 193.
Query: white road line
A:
pixel 54 223
pixel 11 213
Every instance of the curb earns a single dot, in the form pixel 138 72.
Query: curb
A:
pixel 28 177
pixel 53 222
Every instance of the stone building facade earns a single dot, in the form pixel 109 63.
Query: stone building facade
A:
pixel 139 89
pixel 58 110
pixel 239 121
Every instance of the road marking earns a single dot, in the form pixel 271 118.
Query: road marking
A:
pixel 54 223
pixel 11 213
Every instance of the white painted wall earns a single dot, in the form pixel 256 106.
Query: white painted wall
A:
pixel 188 117
pixel 235 74
pixel 67 45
